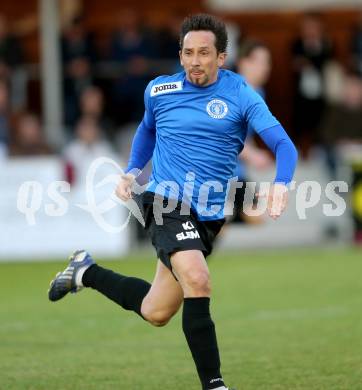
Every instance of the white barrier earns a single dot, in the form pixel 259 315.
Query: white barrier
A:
pixel 56 224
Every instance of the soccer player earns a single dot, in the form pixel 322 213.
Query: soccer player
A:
pixel 193 129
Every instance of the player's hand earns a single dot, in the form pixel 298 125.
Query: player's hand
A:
pixel 277 199
pixel 124 187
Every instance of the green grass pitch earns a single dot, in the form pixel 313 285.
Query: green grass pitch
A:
pixel 284 319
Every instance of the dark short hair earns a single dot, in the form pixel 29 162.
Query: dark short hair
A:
pixel 206 22
pixel 249 45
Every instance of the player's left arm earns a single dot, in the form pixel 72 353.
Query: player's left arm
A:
pixel 286 156
pixel 258 116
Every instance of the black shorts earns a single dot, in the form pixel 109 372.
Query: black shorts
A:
pixel 176 232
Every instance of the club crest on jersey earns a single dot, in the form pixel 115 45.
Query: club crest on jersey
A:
pixel 158 89
pixel 217 109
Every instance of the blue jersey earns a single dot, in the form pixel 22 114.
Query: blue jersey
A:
pixel 241 170
pixel 194 135
pixel 201 130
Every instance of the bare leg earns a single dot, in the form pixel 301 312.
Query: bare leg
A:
pixel 164 298
pixel 192 271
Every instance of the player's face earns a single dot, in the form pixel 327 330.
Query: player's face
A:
pixel 200 58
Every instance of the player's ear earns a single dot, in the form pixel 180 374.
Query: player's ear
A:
pixel 180 54
pixel 221 59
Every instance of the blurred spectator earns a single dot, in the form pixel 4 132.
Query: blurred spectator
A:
pixel 28 139
pixel 129 92
pixel 129 40
pixel 77 43
pixel 311 52
pixel 78 56
pixel 88 145
pixel 168 38
pixel 92 106
pixel 254 64
pixel 357 47
pixel 131 47
pixel 11 52
pixel 342 123
pixel 4 118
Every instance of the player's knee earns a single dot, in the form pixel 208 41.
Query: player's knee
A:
pixel 156 318
pixel 198 283
pixel 159 318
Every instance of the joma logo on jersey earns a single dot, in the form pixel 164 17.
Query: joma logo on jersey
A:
pixel 166 87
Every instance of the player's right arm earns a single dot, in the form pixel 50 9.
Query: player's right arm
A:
pixel 142 149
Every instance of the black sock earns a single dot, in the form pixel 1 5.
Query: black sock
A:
pixel 127 291
pixel 200 333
